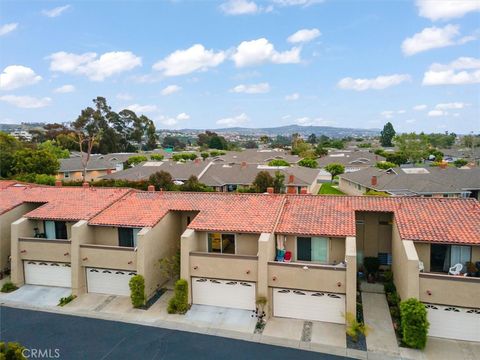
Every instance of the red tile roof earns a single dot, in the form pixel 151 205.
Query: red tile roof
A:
pixel 217 211
pixel 418 219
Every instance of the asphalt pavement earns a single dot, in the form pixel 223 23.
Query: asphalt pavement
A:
pixel 57 336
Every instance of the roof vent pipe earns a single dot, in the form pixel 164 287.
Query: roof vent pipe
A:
pixel 58 182
pixel 151 188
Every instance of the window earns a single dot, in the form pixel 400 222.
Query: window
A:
pixel 221 243
pixel 127 237
pixel 442 256
pixel 66 175
pixel 55 229
pixel 231 188
pixel 312 249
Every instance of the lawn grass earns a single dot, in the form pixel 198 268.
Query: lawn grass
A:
pixel 328 189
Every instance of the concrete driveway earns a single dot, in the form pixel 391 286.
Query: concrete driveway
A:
pixel 221 318
pixel 36 295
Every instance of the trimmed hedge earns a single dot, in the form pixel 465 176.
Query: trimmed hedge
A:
pixel 414 323
pixel 179 303
pixel 8 287
pixel 137 291
pixel 11 351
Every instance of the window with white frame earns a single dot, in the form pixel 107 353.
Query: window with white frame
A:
pixel 221 243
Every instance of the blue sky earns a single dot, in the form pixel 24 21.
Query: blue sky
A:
pixel 210 64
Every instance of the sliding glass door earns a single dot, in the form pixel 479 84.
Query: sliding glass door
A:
pixel 312 249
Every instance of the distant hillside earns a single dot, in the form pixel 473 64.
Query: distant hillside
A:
pixel 334 132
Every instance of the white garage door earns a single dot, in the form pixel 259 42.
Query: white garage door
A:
pixel 48 273
pixel 224 293
pixel 309 305
pixel 454 322
pixel 109 281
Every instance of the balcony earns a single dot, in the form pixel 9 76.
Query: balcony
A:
pixel 224 266
pixel 449 290
pixel 42 249
pixel 110 257
pixel 307 276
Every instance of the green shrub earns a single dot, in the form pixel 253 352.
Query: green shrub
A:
pixel 308 162
pixel 179 303
pixel 414 323
pixel 8 287
pixel 389 287
pixel 460 162
pixel 65 300
pixel 354 327
pixel 156 157
pixel 137 291
pixel 278 162
pixel 137 159
pixel 388 276
pixel 204 155
pixel 11 351
pixel 385 165
pixel 184 156
pixel 393 298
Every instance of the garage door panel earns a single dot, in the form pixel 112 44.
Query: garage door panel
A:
pixel 454 322
pixel 48 273
pixel 224 293
pixel 109 281
pixel 309 305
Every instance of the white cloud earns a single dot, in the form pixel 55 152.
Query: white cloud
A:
pixel 464 70
pixel 233 121
pixel 17 76
pixel 195 58
pixel 292 97
pixel 410 121
pixel 387 114
pixel 95 68
pixel 450 106
pixel 260 51
pixel 26 102
pixel 65 89
pixel 170 89
pixel 124 96
pixel 378 83
pixel 173 121
pixel 446 9
pixel 252 88
pixel 419 107
pixel 308 121
pixel 304 35
pixel 137 108
pixel 401 111
pixel 55 11
pixel 5 29
pixel 431 38
pixel 240 7
pixel 436 113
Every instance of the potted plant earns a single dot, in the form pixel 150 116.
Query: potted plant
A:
pixel 372 264
pixel 471 269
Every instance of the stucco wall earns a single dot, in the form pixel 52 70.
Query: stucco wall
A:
pixel 6 220
pixel 104 235
pixel 246 244
pixel 77 175
pixel 189 242
pixel 163 240
pixel 448 290
pixel 351 275
pixel 223 267
pixel 19 228
pixel 350 188
pixel 423 251
pixel 404 266
pixel 81 233
pixel 372 237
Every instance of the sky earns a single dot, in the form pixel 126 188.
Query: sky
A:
pixel 215 64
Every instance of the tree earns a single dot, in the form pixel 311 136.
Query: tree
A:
pixel 320 151
pixel 89 130
pixel 137 159
pixel 312 139
pixel 396 158
pixel 218 142
pixel 251 144
pixel 387 135
pixel 264 139
pixel 161 180
pixel 151 133
pixel 278 182
pixel 301 148
pixel 173 142
pixel 413 146
pixel 278 162
pixel 335 169
pixel 30 161
pixel 337 144
pixel 8 146
pixel 204 155
pixel 262 181
pixel 385 165
pixel 308 162
pixel 55 149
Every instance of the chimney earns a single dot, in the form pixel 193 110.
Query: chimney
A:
pixel 443 165
pixel 291 179
pixel 85 185
pixel 151 188
pixel 244 164
pixel 291 190
pixel 58 182
pixel 303 191
pixel 270 190
pixel 373 181
pixel 197 161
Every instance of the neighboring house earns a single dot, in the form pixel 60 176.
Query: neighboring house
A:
pixel 229 245
pixel 71 169
pixel 432 181
pixel 233 177
pixel 469 154
pixel 352 161
pixel 256 156
pixel 180 171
